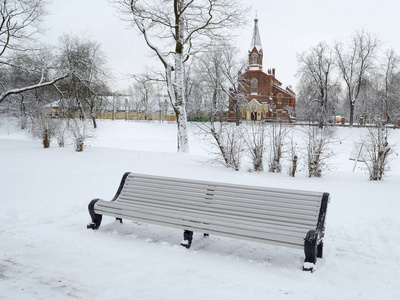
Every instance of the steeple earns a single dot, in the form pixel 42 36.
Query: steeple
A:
pixel 256 40
pixel 255 51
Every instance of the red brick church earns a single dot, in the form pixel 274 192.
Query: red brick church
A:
pixel 265 96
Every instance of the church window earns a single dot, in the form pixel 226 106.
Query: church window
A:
pixel 254 59
pixel 254 86
pixel 279 96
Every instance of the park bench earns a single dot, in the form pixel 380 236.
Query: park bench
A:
pixel 283 217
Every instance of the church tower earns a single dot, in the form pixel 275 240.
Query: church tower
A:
pixel 255 50
pixel 266 99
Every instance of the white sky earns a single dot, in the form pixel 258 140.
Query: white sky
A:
pixel 287 27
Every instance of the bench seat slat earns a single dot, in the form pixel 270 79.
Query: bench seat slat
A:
pixel 180 182
pixel 211 217
pixel 213 232
pixel 255 214
pixel 256 210
pixel 205 227
pixel 217 192
pixel 232 201
pixel 231 221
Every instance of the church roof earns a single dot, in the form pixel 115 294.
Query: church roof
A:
pixel 256 40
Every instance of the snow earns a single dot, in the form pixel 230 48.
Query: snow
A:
pixel 46 251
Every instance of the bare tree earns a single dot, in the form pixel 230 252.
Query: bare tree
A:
pixel 81 133
pixel 228 140
pixel 87 82
pixel 277 140
pixel 379 98
pixel 293 154
pixel 377 151
pixel 354 61
pixel 390 69
pixel 254 138
pixel 316 69
pixel 318 152
pixel 173 30
pixel 19 21
pixel 144 91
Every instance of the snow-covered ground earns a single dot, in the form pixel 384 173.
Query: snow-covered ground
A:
pixel 46 252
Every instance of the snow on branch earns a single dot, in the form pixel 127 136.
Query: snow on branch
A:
pixel 29 88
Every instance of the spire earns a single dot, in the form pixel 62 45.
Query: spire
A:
pixel 256 40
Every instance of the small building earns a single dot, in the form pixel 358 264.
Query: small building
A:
pixel 266 98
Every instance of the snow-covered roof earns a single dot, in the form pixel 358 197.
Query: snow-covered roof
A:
pixel 283 90
pixel 256 40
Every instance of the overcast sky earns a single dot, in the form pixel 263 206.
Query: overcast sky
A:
pixel 287 27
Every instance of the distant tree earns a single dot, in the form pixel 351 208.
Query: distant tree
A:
pixel 316 70
pixel 87 84
pixel 390 70
pixel 380 96
pixel 174 30
pixel 354 61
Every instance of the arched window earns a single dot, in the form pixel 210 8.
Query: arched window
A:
pixel 254 86
pixel 279 96
pixel 254 59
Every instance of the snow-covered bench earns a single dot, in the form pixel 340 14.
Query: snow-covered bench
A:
pixel 283 217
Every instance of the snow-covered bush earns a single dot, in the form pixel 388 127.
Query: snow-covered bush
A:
pixel 61 131
pixel 81 132
pixel 254 138
pixel 43 128
pixel 227 138
pixel 293 155
pixel 318 152
pixel 377 152
pixel 277 137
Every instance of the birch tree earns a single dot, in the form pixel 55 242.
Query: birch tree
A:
pixel 174 30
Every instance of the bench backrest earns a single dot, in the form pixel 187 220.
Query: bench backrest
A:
pixel 270 215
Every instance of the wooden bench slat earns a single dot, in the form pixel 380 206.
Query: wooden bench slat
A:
pixel 257 210
pixel 180 181
pixel 308 220
pixel 203 226
pixel 211 217
pixel 308 203
pixel 228 199
pixel 202 191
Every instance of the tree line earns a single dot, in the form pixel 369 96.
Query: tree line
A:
pixel 354 77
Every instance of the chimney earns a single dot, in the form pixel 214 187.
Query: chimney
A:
pixel 273 72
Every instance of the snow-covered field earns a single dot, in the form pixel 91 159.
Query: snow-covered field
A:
pixel 46 252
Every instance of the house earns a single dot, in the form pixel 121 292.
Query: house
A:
pixel 266 99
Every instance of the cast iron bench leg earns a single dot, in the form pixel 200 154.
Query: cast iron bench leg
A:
pixel 187 239
pixel 311 250
pixel 96 218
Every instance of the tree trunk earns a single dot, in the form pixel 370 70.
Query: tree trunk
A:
pixel 179 91
pixel 351 114
pixel 94 122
